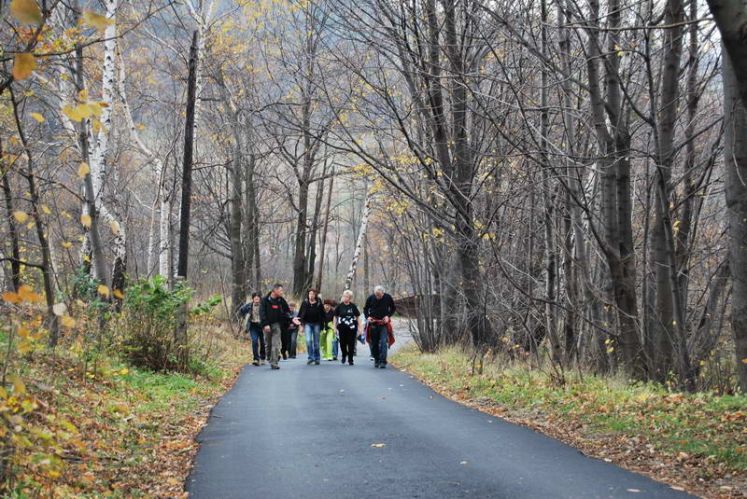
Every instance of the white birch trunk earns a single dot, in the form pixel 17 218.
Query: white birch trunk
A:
pixel 100 144
pixel 160 198
pixel 3 282
pixel 164 246
pixel 361 238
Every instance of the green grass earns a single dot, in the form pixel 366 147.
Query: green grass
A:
pixel 704 426
pixel 134 428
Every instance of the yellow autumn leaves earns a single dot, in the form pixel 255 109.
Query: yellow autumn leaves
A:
pixel 23 66
pixel 84 110
pixel 26 11
pixel 29 12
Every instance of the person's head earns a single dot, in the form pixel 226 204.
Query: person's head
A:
pixel 292 306
pixel 311 294
pixel 277 290
pixel 256 298
pixel 379 291
pixel 347 295
pixel 329 305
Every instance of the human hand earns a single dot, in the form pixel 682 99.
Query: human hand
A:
pixel 296 321
pixel 386 320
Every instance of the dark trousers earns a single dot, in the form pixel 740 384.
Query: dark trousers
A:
pixel 258 341
pixel 347 343
pixel 293 342
pixel 285 342
pixel 379 343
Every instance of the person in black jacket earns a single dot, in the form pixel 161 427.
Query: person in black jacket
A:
pixel 311 315
pixel 378 311
pixel 348 324
pixel 274 315
pixel 254 327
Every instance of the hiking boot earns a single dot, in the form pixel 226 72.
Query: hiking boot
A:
pixel 285 356
pixel 316 362
pixel 255 362
pixel 343 360
pixel 274 366
pixel 376 366
pixel 382 366
pixel 351 363
pixel 309 362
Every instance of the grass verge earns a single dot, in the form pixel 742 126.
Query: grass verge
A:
pixel 696 442
pixel 117 431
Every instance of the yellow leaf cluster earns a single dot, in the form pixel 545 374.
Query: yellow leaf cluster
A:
pixel 21 216
pixel 23 66
pixel 25 294
pixel 95 20
pixel 83 111
pixel 83 170
pixel 26 11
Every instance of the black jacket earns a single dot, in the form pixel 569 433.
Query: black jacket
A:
pixel 378 309
pixel 311 314
pixel 347 316
pixel 274 311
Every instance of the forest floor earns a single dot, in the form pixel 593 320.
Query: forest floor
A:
pixel 695 442
pixel 115 431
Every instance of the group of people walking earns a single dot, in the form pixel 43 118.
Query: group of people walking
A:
pixel 329 327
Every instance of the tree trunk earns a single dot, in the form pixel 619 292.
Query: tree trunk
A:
pixel 731 19
pixel 90 205
pixel 238 277
pixel 41 229
pixel 359 242
pixel 15 251
pixel 189 128
pixel 735 158
pixel 323 249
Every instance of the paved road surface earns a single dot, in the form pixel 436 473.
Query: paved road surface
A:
pixel 307 432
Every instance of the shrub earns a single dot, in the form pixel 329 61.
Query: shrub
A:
pixel 150 315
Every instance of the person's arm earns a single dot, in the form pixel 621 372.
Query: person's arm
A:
pixel 245 309
pixel 301 312
pixel 358 321
pixel 263 313
pixel 392 307
pixel 367 307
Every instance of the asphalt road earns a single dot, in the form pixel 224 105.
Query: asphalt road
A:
pixel 336 431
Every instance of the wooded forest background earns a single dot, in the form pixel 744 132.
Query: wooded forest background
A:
pixel 557 180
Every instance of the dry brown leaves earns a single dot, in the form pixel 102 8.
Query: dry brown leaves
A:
pixel 636 454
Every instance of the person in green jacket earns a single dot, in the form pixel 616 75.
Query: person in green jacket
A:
pixel 328 335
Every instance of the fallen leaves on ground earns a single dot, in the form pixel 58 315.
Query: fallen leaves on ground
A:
pixel 132 438
pixel 642 431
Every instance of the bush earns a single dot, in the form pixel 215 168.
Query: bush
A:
pixel 150 316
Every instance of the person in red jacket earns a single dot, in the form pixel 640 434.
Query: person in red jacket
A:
pixel 378 312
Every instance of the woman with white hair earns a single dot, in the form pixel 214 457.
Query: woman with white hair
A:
pixel 348 325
